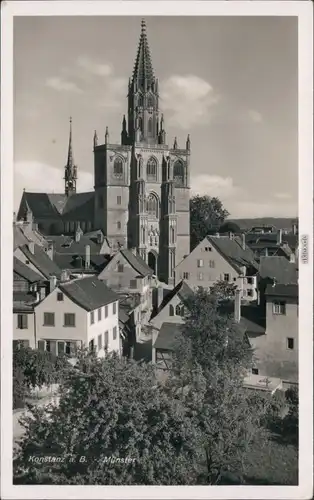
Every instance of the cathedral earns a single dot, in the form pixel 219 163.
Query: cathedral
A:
pixel 141 186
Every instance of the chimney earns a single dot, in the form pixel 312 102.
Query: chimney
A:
pixel 274 282
pixel 99 238
pixel 243 244
pixel 64 276
pixel 31 247
pixel 77 234
pixel 279 237
pixel 237 306
pixel 292 258
pixel 217 235
pixel 87 256
pixel 52 283
pixel 42 292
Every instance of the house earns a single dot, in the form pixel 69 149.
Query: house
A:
pixel 79 254
pixel 80 312
pixel 278 269
pixel 28 288
pixel 130 319
pixel 35 257
pixel 127 273
pixel 218 258
pixel 272 244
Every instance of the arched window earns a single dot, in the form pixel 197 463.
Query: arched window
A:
pixel 140 124
pixel 140 100
pixel 118 167
pixel 152 205
pixel 151 169
pixel 150 126
pixel 171 235
pixel 178 310
pixel 150 101
pixel 171 310
pixel 178 173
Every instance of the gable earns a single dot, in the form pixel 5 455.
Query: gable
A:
pixel 20 256
pixel 200 253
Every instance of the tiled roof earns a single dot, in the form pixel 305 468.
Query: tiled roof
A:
pixel 137 263
pixel 89 293
pixel 167 336
pixel 77 262
pixel 280 268
pixel 41 261
pixel 25 271
pixel 19 237
pixel 231 249
pixel 251 320
pixel 23 302
pixel 66 252
pixel 183 291
pixel 79 206
pixel 283 290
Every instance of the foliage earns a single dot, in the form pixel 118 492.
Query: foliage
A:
pixel 291 420
pixel 229 417
pixel 110 407
pixel 206 216
pixel 224 292
pixel 33 368
pixel 230 227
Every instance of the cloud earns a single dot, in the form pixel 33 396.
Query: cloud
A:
pixel 283 196
pixel 188 99
pixel 43 178
pixel 252 209
pixel 62 85
pixel 93 67
pixel 213 185
pixel 255 116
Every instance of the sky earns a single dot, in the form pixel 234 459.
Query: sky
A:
pixel 230 82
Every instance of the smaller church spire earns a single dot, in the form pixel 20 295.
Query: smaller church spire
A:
pixel 162 133
pixel 175 143
pixel 188 143
pixel 70 175
pixel 107 136
pixel 95 139
pixel 124 133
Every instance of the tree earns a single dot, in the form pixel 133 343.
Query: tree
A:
pixel 230 227
pixel 33 368
pixel 206 216
pixel 228 416
pixel 114 408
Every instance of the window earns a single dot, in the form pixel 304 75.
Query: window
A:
pixel 255 371
pixel 150 126
pixel 208 249
pixel 106 340
pixel 114 308
pixel 200 276
pixel 200 263
pixel 27 262
pixel 114 333
pixel 186 276
pixel 226 277
pixel 178 173
pixel 279 308
pixel 150 101
pixel 49 319
pixel 91 345
pixel 250 293
pixel 106 311
pixel 118 168
pixel 119 200
pixel 69 319
pixel 61 348
pixel 99 314
pixel 250 281
pixel 179 310
pixel 172 235
pixel 99 342
pixel 171 310
pixel 51 346
pixel 152 205
pixel 70 348
pixel 120 268
pixel 59 297
pixel 290 343
pixel 140 100
pixel 118 225
pixel 92 318
pixel 151 169
pixel 133 284
pixel 22 321
pixel 212 263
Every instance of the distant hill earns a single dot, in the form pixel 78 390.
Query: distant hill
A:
pixel 278 222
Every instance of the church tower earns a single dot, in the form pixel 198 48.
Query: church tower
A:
pixel 142 186
pixel 70 170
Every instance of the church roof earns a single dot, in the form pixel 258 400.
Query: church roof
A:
pixel 78 206
pixel 143 69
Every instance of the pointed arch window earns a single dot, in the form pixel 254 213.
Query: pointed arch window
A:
pixel 118 168
pixel 172 234
pixel 151 169
pixel 140 100
pixel 152 206
pixel 178 173
pixel 171 310
pixel 150 126
pixel 150 101
pixel 140 123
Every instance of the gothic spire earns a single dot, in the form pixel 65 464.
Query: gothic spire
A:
pixel 188 143
pixel 175 143
pixel 95 139
pixel 70 175
pixel 143 74
pixel 107 136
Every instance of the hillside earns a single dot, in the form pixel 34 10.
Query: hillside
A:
pixel 278 222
